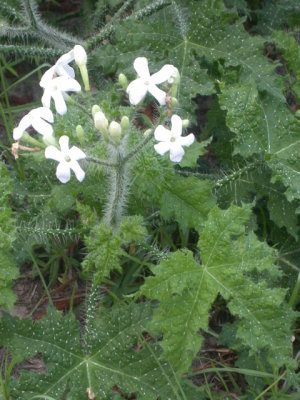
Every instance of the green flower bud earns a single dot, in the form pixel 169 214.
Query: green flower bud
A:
pixel 185 123
pixel 80 134
pixel 50 140
pixel 174 102
pixel 115 132
pixel 123 81
pixel 124 124
pixel 95 109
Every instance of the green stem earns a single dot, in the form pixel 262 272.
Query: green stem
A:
pixel 100 162
pixel 138 148
pixel 118 194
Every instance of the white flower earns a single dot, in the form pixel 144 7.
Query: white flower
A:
pixel 171 140
pixel 138 88
pixel 67 159
pixel 36 118
pixel 56 89
pixel 61 68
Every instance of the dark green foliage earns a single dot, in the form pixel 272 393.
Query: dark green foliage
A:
pixel 240 89
pixel 238 267
pixel 118 356
pixel 8 269
pixel 105 246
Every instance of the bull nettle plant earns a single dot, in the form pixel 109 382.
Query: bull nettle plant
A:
pixel 166 223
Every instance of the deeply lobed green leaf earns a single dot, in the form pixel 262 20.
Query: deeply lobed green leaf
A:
pixel 234 265
pixel 117 357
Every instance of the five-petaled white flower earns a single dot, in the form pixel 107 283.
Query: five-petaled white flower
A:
pixel 171 140
pixel 68 160
pixel 39 119
pixel 138 88
pixel 56 89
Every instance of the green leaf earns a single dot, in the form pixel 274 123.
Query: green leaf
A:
pixel 105 246
pixel 236 266
pixel 117 356
pixel 187 200
pixel 8 269
pixel 205 35
pixel 266 127
pixel 193 152
pixel 289 48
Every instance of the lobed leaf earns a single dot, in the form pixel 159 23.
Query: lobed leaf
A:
pixel 117 356
pixel 234 265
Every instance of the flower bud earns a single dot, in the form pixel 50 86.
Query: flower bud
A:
pixel 175 77
pixel 95 109
pixel 80 56
pixel 174 102
pixel 80 134
pixel 101 122
pixel 124 124
pixel 50 140
pixel 115 131
pixel 185 123
pixel 123 81
pixel 147 132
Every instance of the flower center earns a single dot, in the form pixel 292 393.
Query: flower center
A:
pixel 68 158
pixel 173 139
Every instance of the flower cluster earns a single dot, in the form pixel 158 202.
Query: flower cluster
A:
pixel 58 80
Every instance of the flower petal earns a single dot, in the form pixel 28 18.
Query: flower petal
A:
pixel 162 147
pixel 159 94
pixel 25 122
pixel 46 98
pixel 60 104
pixel 65 70
pixel 141 66
pixel 79 172
pixel 176 152
pixel 53 153
pixel 67 84
pixel 64 145
pixel 42 127
pixel 136 90
pixel 76 154
pixel 63 172
pixel 162 75
pixel 186 140
pixel 66 58
pixel 176 129
pixel 162 134
pixel 47 77
pixel 17 133
pixel 45 113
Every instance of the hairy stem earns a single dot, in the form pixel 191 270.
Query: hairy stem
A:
pixel 117 194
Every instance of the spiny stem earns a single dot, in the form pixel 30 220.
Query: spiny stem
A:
pixel 118 194
pixel 100 162
pixel 236 174
pixel 138 148
pixel 108 29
